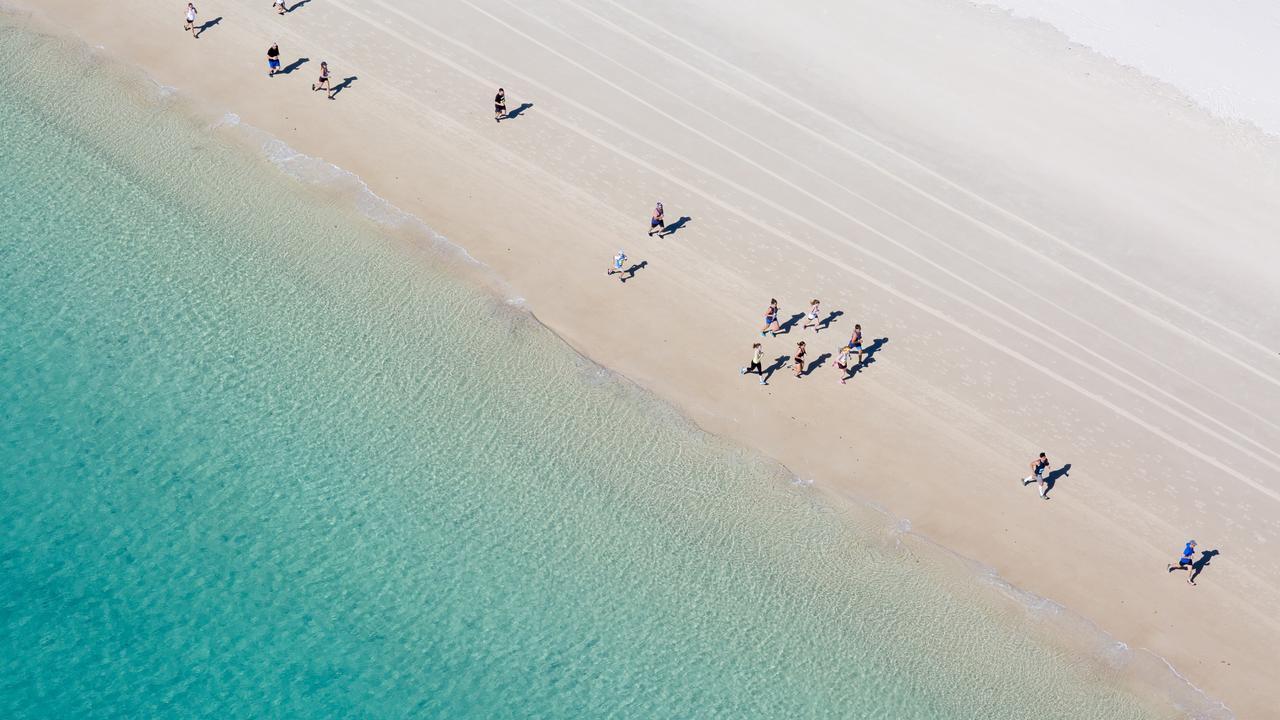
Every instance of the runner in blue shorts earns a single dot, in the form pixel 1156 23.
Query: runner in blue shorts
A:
pixel 273 59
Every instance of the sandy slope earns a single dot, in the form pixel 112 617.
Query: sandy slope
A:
pixel 1060 254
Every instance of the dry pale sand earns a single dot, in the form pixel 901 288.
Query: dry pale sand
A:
pixel 1060 255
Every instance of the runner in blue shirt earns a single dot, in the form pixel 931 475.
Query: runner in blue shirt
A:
pixel 1187 561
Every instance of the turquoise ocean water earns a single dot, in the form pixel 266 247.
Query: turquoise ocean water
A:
pixel 263 457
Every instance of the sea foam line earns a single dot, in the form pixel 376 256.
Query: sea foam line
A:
pixel 1178 690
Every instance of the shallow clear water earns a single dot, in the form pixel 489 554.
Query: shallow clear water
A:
pixel 261 457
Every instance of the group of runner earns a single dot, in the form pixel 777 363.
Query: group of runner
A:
pixel 844 355
pixel 273 52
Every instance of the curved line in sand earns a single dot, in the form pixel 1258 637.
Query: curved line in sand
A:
pixel 942 203
pixel 1187 406
pixel 799 243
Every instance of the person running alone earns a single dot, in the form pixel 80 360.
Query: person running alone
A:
pixel 280 8
pixel 799 358
pixel 656 223
pixel 273 60
pixel 191 21
pixel 811 317
pixel 842 363
pixel 855 341
pixel 1038 467
pixel 618 261
pixel 1187 561
pixel 323 82
pixel 757 354
pixel 500 105
pixel 771 319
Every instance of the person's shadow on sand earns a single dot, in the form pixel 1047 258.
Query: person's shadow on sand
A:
pixel 1052 478
pixel 297 5
pixel 631 271
pixel 293 66
pixel 675 226
pixel 346 83
pixel 817 363
pixel 830 318
pixel 785 327
pixel 208 24
pixel 874 348
pixel 513 114
pixel 779 363
pixel 1198 566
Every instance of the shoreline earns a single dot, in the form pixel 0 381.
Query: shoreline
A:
pixel 696 407
pixel 1051 622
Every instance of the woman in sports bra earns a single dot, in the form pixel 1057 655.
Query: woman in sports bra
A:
pixel 656 223
pixel 771 319
pixel 799 358
pixel 323 82
pixel 811 317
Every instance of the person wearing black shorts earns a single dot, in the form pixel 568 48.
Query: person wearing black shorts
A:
pixel 323 82
pixel 191 21
pixel 656 223
pixel 500 105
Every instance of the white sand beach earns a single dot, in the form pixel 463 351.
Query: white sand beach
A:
pixel 1048 251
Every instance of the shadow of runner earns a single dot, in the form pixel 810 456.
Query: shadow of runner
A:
pixel 631 271
pixel 346 83
pixel 830 318
pixel 1052 478
pixel 293 66
pixel 297 5
pixel 1198 566
pixel 513 114
pixel 785 327
pixel 208 24
pixel 673 227
pixel 817 363
pixel 777 365
pixel 873 348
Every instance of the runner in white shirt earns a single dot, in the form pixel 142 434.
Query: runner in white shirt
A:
pixel 191 21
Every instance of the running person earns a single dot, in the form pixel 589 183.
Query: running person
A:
pixel 771 319
pixel 1038 466
pixel 855 342
pixel 323 82
pixel 799 358
pixel 191 21
pixel 618 261
pixel 1186 562
pixel 842 363
pixel 757 354
pixel 811 317
pixel 280 8
pixel 273 59
pixel 500 105
pixel 656 223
